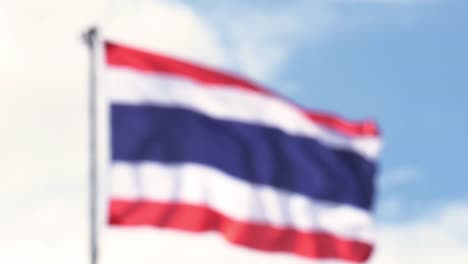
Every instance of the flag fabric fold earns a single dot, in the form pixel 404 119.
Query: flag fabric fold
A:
pixel 199 150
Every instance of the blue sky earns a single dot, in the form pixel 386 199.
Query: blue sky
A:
pixel 401 62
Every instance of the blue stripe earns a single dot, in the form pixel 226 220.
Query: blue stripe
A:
pixel 252 153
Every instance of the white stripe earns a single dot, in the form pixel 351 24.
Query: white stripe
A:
pixel 135 88
pixel 205 186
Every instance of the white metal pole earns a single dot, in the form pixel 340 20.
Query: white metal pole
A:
pixel 90 38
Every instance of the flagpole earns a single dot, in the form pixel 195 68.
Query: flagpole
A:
pixel 90 39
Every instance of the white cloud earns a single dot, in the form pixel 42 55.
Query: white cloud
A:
pixel 168 27
pixel 49 229
pixel 261 41
pixel 440 237
pixel 42 81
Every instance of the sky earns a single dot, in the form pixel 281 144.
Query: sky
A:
pixel 401 62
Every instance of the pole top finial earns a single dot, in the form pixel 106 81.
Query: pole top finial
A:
pixel 89 36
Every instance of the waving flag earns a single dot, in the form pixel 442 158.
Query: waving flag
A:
pixel 199 150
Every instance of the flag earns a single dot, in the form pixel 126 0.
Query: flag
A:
pixel 195 149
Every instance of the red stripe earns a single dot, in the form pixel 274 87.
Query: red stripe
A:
pixel 118 55
pixel 268 238
pixel 122 56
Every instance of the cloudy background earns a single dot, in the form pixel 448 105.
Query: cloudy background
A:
pixel 401 62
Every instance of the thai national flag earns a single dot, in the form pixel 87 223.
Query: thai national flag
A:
pixel 197 150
